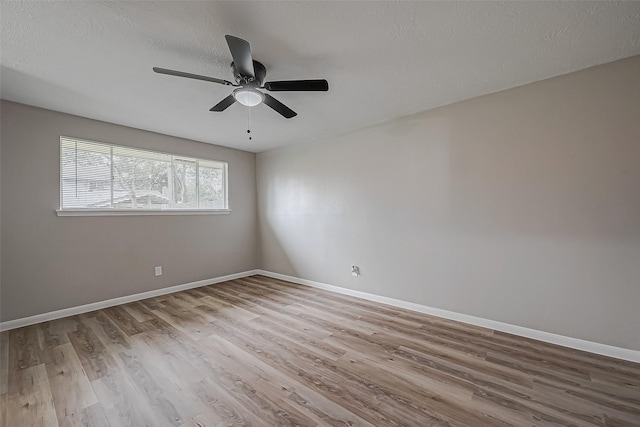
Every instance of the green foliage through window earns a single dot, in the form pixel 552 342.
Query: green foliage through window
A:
pixel 104 176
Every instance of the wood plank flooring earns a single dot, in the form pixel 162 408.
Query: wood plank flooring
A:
pixel 263 352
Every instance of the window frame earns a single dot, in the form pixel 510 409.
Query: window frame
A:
pixel 143 211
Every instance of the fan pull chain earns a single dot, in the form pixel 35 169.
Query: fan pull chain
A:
pixel 249 124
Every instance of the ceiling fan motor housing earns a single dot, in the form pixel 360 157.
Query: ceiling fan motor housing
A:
pixel 259 71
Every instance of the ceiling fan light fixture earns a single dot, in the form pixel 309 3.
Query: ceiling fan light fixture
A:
pixel 248 96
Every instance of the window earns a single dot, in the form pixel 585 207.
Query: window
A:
pixel 98 176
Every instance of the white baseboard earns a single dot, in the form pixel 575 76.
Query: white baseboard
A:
pixel 591 347
pixel 45 317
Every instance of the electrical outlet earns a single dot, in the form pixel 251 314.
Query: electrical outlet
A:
pixel 159 270
pixel 355 270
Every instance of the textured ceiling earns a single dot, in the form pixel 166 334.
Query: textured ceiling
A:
pixel 382 59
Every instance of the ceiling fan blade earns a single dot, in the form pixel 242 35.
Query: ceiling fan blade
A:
pixel 279 106
pixel 192 76
pixel 241 52
pixel 224 104
pixel 297 85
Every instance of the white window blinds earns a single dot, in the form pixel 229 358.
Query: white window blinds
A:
pixel 96 175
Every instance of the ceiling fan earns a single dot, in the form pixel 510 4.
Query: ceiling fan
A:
pixel 249 75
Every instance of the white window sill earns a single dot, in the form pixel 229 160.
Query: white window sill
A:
pixel 137 212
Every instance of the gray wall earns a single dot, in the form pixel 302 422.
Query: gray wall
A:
pixel 51 262
pixel 521 206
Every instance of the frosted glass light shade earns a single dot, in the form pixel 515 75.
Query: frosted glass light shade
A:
pixel 247 96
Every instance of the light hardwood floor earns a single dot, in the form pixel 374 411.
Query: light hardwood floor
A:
pixel 263 352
